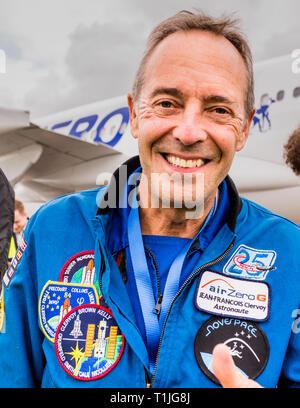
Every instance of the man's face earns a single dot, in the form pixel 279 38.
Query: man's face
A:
pixel 20 221
pixel 190 116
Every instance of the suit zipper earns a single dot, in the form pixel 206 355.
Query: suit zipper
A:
pixel 101 269
pixel 148 383
pixel 176 296
pixel 157 307
pixel 159 297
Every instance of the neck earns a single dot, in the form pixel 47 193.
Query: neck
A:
pixel 156 221
pixel 172 221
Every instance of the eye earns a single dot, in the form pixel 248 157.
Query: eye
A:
pixel 221 111
pixel 166 107
pixel 165 104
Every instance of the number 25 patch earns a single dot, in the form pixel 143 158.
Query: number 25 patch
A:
pixel 250 263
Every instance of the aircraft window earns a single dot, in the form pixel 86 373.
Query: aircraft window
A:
pixel 296 92
pixel 280 95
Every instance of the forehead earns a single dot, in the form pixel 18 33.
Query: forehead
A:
pixel 196 60
pixel 18 214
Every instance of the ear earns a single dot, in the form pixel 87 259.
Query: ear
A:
pixel 245 132
pixel 132 116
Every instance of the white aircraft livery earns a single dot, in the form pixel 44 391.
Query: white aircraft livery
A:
pixel 76 149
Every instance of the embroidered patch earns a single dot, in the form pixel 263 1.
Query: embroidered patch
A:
pixel 88 342
pixel 234 297
pixel 57 299
pixel 14 263
pixel 81 269
pixel 250 263
pixel 247 342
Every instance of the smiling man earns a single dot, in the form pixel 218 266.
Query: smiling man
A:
pixel 189 292
pixel 189 117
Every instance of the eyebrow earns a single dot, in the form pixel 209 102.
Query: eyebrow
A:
pixel 168 91
pixel 179 94
pixel 217 99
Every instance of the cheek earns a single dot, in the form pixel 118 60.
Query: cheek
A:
pixel 147 137
pixel 151 130
pixel 236 127
pixel 228 137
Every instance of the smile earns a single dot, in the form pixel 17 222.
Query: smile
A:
pixel 183 163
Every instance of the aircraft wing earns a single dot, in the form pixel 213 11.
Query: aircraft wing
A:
pixel 272 185
pixel 27 150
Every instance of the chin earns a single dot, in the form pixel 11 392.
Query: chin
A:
pixel 185 198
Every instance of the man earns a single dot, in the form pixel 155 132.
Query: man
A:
pixel 189 283
pixel 21 219
pixel 292 151
pixel 7 197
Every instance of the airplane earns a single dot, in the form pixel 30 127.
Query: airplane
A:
pixel 79 148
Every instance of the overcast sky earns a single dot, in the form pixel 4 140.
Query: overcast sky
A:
pixel 65 53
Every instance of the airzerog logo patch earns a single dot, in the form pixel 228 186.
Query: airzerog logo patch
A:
pixel 247 342
pixel 220 295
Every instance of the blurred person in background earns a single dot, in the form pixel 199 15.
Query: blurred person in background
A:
pixel 292 151
pixel 20 221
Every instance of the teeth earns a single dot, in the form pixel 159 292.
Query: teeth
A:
pixel 176 161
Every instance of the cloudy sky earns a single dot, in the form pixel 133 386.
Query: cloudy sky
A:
pixel 65 53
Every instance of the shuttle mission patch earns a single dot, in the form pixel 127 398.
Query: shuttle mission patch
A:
pixel 57 299
pixel 247 342
pixel 80 268
pixel 88 342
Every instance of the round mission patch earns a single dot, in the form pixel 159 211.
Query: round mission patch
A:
pixel 88 342
pixel 247 342
pixel 57 299
pixel 80 269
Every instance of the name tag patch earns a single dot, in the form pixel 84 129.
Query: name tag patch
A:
pixel 220 295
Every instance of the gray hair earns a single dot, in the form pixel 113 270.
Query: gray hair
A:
pixel 225 26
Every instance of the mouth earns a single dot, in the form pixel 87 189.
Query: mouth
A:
pixel 184 163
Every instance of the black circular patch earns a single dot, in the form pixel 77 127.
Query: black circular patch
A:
pixel 246 340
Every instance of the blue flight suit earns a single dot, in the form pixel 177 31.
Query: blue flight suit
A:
pixel 243 289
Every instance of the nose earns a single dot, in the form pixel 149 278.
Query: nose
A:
pixel 191 127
